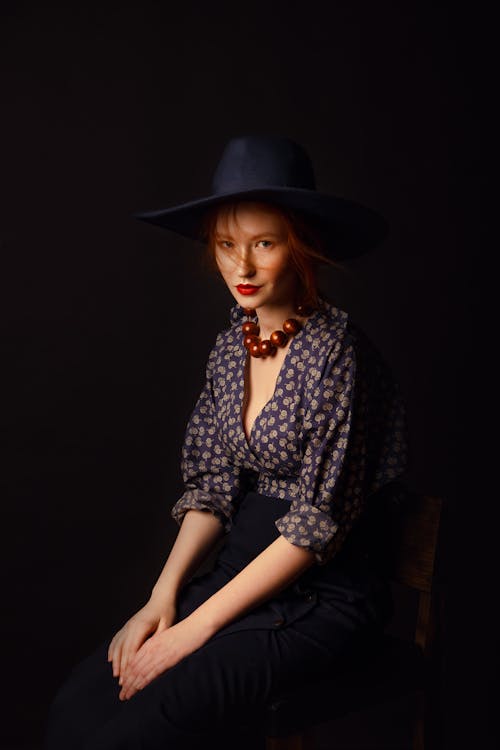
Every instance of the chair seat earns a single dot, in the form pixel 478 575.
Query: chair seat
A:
pixel 395 668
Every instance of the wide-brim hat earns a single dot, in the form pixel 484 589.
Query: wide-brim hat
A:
pixel 277 170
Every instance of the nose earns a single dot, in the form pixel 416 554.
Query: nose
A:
pixel 245 265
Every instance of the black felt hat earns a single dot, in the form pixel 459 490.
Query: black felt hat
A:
pixel 277 170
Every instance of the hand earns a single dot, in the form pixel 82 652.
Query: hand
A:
pixel 154 617
pixel 161 652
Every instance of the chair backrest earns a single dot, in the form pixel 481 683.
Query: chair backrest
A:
pixel 415 537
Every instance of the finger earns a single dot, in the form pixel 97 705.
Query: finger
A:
pixel 128 651
pixel 143 656
pixel 111 647
pixel 127 688
pixel 115 649
pixel 129 673
pixel 125 695
pixel 143 679
pixel 130 690
pixel 132 647
pixel 123 664
pixel 145 669
pixel 126 675
pixel 116 660
pixel 138 665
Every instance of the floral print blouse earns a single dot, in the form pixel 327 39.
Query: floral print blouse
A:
pixel 332 434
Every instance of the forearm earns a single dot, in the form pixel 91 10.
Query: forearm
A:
pixel 268 574
pixel 271 571
pixel 198 534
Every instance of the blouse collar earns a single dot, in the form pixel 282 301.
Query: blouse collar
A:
pixel 326 309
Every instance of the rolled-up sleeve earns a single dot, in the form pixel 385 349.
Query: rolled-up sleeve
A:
pixel 211 480
pixel 325 506
pixel 354 443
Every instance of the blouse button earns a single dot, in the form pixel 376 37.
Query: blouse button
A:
pixel 279 622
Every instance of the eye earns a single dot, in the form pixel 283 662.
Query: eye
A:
pixel 226 244
pixel 264 243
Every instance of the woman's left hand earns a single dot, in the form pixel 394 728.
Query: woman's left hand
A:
pixel 161 652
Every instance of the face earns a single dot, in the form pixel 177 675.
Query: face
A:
pixel 253 256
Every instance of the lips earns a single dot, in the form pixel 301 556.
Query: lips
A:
pixel 247 288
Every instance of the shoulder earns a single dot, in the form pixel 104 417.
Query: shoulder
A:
pixel 339 353
pixel 321 355
pixel 328 322
pixel 346 338
pixel 328 339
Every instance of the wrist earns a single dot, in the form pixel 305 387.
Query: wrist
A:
pixel 204 623
pixel 164 595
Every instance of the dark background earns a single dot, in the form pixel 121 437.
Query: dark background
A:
pixel 107 322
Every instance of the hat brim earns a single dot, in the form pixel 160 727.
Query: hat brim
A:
pixel 349 229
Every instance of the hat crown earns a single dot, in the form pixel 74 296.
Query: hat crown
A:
pixel 253 162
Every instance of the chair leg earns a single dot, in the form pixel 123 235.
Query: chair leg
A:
pixel 303 741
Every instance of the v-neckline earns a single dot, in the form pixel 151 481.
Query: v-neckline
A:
pixel 243 400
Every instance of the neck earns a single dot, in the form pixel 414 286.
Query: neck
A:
pixel 271 318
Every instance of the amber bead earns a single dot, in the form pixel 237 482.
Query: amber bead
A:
pixel 267 348
pixel 291 326
pixel 249 339
pixel 254 349
pixel 249 311
pixel 250 328
pixel 278 338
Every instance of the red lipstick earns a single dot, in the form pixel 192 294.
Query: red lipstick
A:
pixel 247 288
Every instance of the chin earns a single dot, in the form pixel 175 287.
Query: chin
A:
pixel 250 300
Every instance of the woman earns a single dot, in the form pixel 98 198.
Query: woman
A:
pixel 297 432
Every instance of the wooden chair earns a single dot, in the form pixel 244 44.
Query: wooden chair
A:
pixel 399 667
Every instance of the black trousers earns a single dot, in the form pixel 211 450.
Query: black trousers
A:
pixel 310 629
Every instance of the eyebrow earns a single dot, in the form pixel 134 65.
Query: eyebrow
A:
pixel 221 235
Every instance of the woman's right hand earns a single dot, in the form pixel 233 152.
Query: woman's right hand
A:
pixel 154 617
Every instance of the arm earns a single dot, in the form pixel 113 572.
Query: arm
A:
pixel 203 513
pixel 197 536
pixel 270 572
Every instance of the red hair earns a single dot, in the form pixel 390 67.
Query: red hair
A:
pixel 304 242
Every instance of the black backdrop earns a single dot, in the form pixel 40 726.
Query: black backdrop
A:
pixel 107 322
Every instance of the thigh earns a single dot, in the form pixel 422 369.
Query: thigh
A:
pixel 203 697
pixel 208 695
pixel 88 698
pixel 225 682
